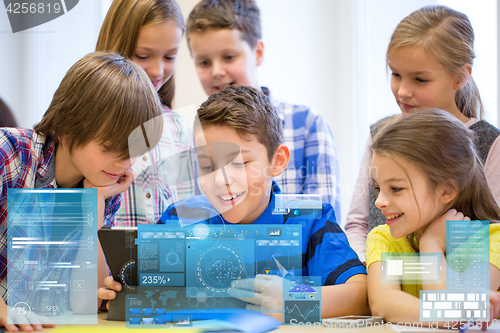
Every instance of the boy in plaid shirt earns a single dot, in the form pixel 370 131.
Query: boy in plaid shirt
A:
pixel 82 141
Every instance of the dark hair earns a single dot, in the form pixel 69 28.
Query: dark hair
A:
pixel 6 117
pixel 124 20
pixel 442 148
pixel 107 97
pixel 248 111
pixel 243 15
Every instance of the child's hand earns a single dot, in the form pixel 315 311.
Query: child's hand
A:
pixel 120 186
pixel 435 234
pixel 494 308
pixel 108 292
pixel 268 294
pixel 27 324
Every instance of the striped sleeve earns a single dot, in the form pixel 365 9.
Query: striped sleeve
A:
pixel 328 252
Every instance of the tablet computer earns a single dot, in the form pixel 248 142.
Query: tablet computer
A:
pixel 120 250
pixel 118 245
pixel 152 267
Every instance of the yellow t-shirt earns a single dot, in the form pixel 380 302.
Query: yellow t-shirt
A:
pixel 380 241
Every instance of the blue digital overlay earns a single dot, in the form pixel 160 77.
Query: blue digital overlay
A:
pixel 411 268
pixel 302 300
pixel 466 297
pixel 52 254
pixel 468 255
pixel 307 206
pixel 200 267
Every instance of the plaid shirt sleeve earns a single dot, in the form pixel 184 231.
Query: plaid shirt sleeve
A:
pixel 111 206
pixel 313 166
pixel 21 158
pixel 166 175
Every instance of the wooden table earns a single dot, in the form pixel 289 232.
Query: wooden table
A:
pixel 119 326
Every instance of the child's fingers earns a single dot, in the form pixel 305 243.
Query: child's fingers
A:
pixel 35 323
pixel 494 305
pixel 256 285
pixel 268 277
pixel 4 322
pixel 451 213
pixel 112 284
pixel 38 322
pixel 22 322
pixel 255 300
pixel 134 173
pixel 130 175
pixel 244 284
pixel 105 293
pixel 45 322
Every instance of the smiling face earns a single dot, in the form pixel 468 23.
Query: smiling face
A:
pixel 419 82
pixel 407 202
pixel 156 50
pixel 223 58
pixel 235 174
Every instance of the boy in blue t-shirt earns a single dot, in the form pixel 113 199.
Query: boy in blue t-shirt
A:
pixel 239 145
pixel 225 40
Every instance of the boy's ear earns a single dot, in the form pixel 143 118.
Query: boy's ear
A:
pixel 447 192
pixel 259 51
pixel 464 75
pixel 280 160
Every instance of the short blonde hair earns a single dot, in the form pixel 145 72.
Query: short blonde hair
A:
pixel 446 35
pixel 124 20
pixel 104 96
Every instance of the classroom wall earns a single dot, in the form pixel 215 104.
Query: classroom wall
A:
pixel 33 62
pixel 328 54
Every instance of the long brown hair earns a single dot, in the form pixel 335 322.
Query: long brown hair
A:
pixel 124 20
pixel 442 148
pixel 446 35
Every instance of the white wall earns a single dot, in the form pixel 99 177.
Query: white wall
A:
pixel 33 62
pixel 483 17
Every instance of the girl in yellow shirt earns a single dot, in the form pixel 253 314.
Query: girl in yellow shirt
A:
pixel 425 171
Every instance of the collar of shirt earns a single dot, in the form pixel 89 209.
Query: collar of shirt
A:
pixel 46 171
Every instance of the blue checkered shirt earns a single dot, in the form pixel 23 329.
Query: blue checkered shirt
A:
pixel 313 166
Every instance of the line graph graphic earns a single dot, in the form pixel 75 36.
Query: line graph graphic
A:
pixel 302 299
pixel 302 311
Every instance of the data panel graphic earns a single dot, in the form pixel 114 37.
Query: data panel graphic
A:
pixel 52 254
pixel 466 297
pixel 199 267
pixel 412 268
